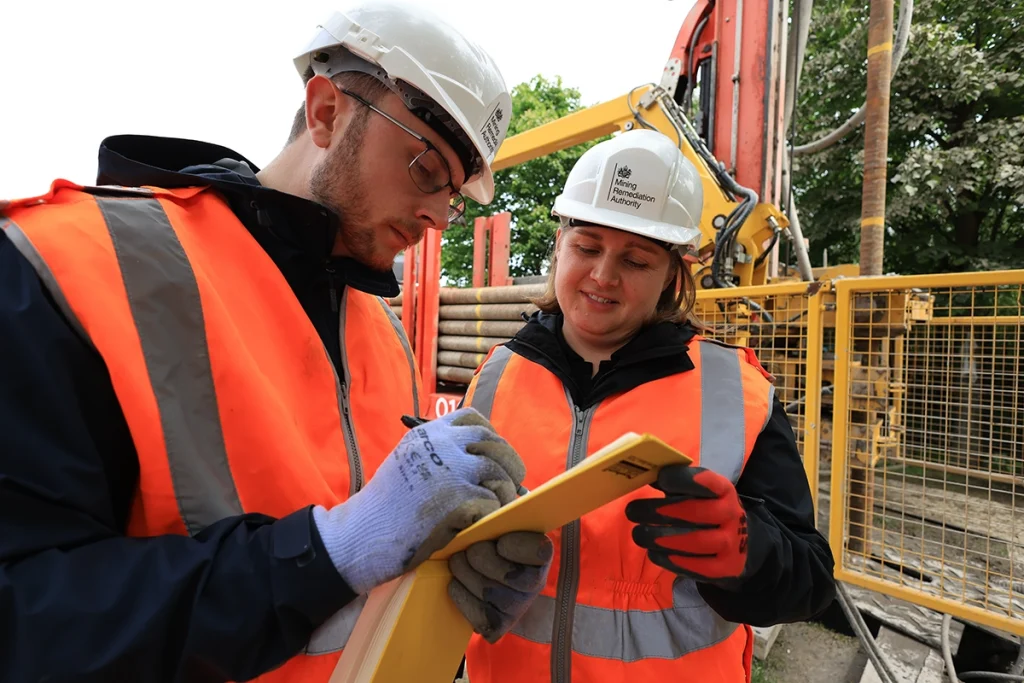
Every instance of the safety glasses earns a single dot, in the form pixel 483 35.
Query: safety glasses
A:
pixel 428 169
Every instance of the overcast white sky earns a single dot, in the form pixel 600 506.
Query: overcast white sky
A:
pixel 73 72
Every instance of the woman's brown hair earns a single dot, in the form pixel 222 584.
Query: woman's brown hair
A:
pixel 675 304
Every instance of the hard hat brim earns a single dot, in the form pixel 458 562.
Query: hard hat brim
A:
pixel 677 235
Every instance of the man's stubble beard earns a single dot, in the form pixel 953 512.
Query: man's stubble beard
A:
pixel 337 184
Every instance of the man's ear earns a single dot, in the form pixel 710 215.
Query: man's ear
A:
pixel 327 110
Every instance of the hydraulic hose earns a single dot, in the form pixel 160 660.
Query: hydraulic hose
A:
pixel 947 656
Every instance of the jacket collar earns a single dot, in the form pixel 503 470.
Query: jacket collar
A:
pixel 298 234
pixel 657 351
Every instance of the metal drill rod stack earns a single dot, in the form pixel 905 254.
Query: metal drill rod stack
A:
pixel 485 311
pixel 471 321
pixel 503 329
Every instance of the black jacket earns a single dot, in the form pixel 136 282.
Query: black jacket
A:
pixel 795 581
pixel 79 601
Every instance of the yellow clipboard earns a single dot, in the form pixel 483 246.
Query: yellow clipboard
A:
pixel 409 629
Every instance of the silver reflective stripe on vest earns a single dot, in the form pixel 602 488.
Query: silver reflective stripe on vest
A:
pixel 164 302
pixel 400 331
pixel 487 383
pixel 164 299
pixel 722 423
pixel 632 635
pixel 31 254
pixel 334 633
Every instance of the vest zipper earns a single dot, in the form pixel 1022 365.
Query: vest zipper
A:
pixel 354 461
pixel 569 570
pixel 355 464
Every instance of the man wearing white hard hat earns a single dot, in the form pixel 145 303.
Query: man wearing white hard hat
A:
pixel 663 584
pixel 204 466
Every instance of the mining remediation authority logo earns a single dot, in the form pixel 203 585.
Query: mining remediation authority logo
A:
pixel 622 191
pixel 491 131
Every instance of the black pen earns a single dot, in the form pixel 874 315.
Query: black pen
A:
pixel 410 421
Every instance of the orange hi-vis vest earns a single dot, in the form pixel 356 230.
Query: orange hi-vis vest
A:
pixel 232 400
pixel 607 613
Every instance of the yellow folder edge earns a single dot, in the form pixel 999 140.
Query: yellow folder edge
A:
pixel 427 635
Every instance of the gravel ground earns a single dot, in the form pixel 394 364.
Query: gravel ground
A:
pixel 809 653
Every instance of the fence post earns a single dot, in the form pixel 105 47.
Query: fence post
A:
pixel 501 245
pixel 481 234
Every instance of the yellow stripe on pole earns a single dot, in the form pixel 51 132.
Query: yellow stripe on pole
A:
pixel 883 47
pixel 872 220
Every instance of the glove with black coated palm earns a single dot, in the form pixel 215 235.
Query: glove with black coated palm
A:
pixel 699 529
pixel 495 581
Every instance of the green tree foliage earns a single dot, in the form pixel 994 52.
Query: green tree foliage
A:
pixel 955 200
pixel 527 190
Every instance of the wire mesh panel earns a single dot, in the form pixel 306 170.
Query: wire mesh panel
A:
pixel 783 324
pixel 928 455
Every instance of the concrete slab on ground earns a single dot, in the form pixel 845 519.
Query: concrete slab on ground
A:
pixel 911 661
pixel 764 638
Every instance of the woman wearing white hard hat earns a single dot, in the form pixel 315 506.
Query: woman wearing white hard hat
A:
pixel 661 585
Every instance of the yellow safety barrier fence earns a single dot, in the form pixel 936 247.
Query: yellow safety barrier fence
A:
pixel 784 325
pixel 927 488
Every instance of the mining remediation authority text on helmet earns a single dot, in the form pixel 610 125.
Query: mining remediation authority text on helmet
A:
pixel 640 182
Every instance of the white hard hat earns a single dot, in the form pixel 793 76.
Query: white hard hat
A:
pixel 466 100
pixel 640 182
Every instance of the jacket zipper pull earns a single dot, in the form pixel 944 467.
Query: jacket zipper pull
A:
pixel 333 287
pixel 262 217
